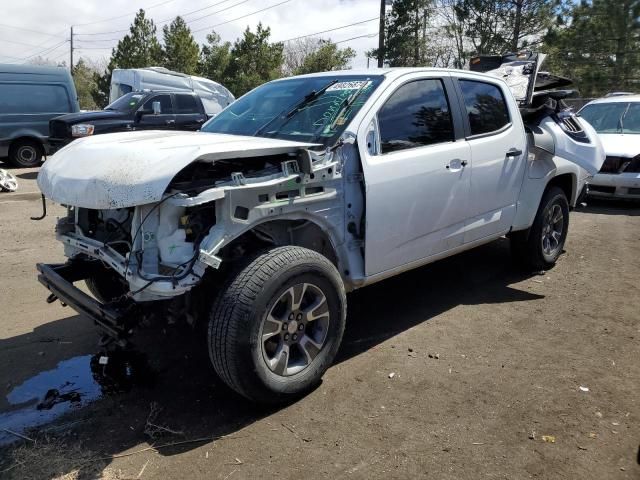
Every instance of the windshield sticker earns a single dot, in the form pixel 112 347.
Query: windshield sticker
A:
pixel 355 85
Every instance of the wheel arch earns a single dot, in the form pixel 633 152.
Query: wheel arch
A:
pixel 27 137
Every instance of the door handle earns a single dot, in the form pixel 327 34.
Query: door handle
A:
pixel 456 164
pixel 514 152
pixel 200 120
pixel 170 122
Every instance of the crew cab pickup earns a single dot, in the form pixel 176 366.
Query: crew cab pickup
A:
pixel 302 190
pixel 148 110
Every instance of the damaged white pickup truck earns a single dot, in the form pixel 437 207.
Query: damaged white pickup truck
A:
pixel 304 189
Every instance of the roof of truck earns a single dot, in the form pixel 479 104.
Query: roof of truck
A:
pixel 389 72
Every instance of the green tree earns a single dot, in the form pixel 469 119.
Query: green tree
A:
pixel 597 44
pixel 181 52
pixel 84 79
pixel 139 48
pixel 253 61
pixel 214 58
pixel 406 27
pixel 494 27
pixel 327 56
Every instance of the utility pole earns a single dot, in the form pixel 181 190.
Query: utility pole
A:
pixel 71 52
pixel 383 4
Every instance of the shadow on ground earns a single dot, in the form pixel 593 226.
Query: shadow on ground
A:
pixel 612 207
pixel 180 380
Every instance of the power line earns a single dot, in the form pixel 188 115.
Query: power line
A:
pixel 32 31
pixel 22 43
pixel 330 30
pixel 370 35
pixel 124 14
pixel 46 51
pixel 238 18
pixel 162 22
pixel 213 13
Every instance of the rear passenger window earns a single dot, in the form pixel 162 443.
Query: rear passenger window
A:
pixel 186 104
pixel 416 114
pixel 486 106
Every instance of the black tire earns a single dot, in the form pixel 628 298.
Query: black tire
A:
pixel 26 153
pixel 238 315
pixel 529 247
pixel 106 286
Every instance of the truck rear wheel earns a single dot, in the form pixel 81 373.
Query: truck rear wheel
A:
pixel 539 247
pixel 26 153
pixel 277 326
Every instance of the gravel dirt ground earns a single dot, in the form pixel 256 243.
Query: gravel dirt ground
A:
pixel 466 368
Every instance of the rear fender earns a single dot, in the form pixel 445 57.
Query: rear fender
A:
pixel 542 169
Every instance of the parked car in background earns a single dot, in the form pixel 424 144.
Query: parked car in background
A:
pixel 214 96
pixel 133 111
pixel 617 121
pixel 29 97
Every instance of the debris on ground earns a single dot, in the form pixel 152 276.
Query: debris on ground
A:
pixel 599 414
pixel 53 397
pixel 152 429
pixel 8 181
pixel 549 438
pixel 392 374
pixel 584 389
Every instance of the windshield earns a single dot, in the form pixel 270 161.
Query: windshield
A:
pixel 126 103
pixel 314 110
pixel 614 117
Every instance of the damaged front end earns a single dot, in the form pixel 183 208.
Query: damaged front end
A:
pixel 131 254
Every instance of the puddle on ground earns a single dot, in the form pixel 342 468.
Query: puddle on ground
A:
pixel 73 384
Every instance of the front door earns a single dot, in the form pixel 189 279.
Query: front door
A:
pixel 417 183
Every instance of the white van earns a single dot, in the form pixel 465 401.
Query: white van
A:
pixel 214 96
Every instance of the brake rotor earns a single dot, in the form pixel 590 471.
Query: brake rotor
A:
pixel 8 181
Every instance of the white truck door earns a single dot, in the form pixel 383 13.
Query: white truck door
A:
pixel 417 176
pixel 495 133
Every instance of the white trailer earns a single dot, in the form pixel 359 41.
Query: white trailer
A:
pixel 214 96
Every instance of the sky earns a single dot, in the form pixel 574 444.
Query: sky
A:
pixel 32 28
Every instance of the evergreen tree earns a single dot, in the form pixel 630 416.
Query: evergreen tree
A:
pixel 253 61
pixel 214 58
pixel 139 48
pixel 181 52
pixel 406 27
pixel 597 45
pixel 325 58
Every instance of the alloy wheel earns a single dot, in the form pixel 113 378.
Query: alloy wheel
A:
pixel 294 330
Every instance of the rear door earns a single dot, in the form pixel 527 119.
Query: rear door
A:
pixel 495 134
pixel 165 120
pixel 417 178
pixel 189 112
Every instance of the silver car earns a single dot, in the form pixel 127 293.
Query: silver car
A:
pixel 617 121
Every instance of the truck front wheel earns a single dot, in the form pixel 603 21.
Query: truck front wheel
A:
pixel 26 153
pixel 539 247
pixel 277 325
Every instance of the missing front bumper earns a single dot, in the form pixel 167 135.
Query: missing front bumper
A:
pixel 116 319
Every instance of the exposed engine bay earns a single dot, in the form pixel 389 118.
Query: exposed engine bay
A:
pixel 163 248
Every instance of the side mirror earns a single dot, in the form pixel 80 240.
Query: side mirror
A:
pixel 155 106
